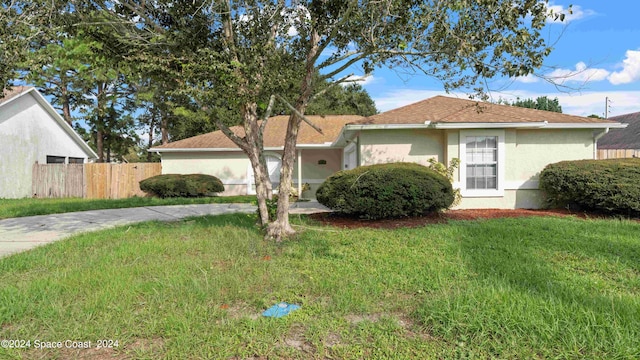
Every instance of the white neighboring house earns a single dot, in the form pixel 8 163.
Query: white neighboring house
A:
pixel 32 131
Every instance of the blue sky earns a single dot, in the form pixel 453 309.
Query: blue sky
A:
pixel 597 55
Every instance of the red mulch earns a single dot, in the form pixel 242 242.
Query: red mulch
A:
pixel 344 221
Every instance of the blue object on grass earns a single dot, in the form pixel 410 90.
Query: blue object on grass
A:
pixel 280 310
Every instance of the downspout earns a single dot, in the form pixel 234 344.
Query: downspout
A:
pixel 595 142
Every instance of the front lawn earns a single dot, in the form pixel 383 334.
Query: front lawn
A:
pixel 194 289
pixel 10 208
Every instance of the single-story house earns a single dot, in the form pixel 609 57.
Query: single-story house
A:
pixel 502 149
pixel 33 131
pixel 621 143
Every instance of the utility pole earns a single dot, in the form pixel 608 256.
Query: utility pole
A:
pixel 607 105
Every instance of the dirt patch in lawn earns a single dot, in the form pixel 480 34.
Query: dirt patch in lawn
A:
pixel 350 222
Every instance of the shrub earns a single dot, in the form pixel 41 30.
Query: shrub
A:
pixel 447 172
pixel 601 185
pixel 386 191
pixel 176 185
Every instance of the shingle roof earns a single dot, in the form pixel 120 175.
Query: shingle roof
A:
pixel 443 109
pixel 15 91
pixel 628 138
pixel 439 109
pixel 274 133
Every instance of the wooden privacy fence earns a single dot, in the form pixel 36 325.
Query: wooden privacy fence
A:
pixel 617 153
pixel 91 181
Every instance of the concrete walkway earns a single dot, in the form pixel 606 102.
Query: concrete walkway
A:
pixel 24 233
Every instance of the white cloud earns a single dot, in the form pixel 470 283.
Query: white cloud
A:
pixel 529 79
pixel 360 80
pixel 581 104
pixel 401 97
pixel 620 102
pixel 630 69
pixel 581 74
pixel 575 13
pixel 585 103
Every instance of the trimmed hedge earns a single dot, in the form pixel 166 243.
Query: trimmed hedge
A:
pixel 386 191
pixel 177 185
pixel 600 185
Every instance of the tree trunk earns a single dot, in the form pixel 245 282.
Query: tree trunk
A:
pixel 100 117
pixel 164 128
pixel 150 142
pixel 263 186
pixel 100 145
pixel 254 150
pixel 280 228
pixel 108 151
pixel 66 107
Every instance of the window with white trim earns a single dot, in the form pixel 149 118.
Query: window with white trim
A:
pixel 482 163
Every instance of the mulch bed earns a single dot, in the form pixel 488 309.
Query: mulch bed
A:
pixel 345 221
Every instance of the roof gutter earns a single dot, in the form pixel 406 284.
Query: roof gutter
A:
pixel 586 126
pixel 273 148
pixel 426 125
pixel 527 125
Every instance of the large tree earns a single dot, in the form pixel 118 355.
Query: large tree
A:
pixel 540 103
pixel 23 26
pixel 244 55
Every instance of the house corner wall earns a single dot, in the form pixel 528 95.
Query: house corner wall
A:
pixel 29 134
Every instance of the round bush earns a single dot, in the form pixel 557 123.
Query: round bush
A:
pixel 600 185
pixel 177 185
pixel 386 191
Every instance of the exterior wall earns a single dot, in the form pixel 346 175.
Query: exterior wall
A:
pixel 314 173
pixel 385 146
pixel 527 152
pixel 29 134
pixel 231 167
pixel 512 199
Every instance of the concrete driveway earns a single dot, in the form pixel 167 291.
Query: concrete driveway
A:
pixel 20 234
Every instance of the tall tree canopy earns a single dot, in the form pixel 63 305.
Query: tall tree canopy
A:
pixel 246 56
pixel 540 103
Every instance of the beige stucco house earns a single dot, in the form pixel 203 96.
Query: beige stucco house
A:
pixel 502 149
pixel 32 131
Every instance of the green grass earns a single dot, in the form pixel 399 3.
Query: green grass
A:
pixel 10 208
pixel 507 288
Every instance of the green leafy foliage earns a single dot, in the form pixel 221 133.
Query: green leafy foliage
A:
pixel 447 171
pixel 540 103
pixel 601 185
pixel 177 185
pixel 386 191
pixel 338 100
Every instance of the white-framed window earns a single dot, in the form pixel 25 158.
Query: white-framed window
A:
pixel 482 163
pixel 274 164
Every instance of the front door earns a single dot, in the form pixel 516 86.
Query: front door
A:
pixel 350 157
pixel 274 164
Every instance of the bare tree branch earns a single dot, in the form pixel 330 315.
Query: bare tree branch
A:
pixel 267 113
pixel 300 115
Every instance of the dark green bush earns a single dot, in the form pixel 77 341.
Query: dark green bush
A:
pixel 386 191
pixel 600 185
pixel 176 185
